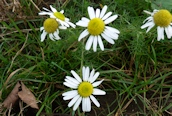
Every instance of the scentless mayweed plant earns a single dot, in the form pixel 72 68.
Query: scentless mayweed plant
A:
pixel 51 27
pixel 84 89
pixel 162 19
pixel 56 21
pixel 59 16
pixel 86 58
pixel 96 28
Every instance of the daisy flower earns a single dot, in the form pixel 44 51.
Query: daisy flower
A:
pixel 162 19
pixel 51 27
pixel 59 16
pixel 96 28
pixel 83 89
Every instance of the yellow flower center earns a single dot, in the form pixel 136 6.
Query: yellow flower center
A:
pixel 59 16
pixel 85 89
pixel 96 26
pixel 162 18
pixel 50 25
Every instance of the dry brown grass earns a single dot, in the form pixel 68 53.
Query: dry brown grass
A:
pixel 15 10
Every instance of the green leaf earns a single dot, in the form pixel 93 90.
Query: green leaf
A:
pixel 162 4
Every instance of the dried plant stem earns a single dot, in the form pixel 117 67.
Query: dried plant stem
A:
pixel 35 5
pixel 17 54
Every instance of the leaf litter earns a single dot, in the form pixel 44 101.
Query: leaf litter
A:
pixel 20 92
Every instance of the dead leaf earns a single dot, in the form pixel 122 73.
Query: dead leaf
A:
pixel 22 92
pixel 27 96
pixel 12 97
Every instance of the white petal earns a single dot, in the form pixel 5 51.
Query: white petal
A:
pixel 91 75
pixel 68 97
pixel 42 28
pixel 83 104
pixel 168 31
pixel 107 15
pixel 89 42
pixel 94 77
pixel 51 36
pixel 98 92
pixel 56 35
pixel 147 25
pixel 52 16
pixel 88 104
pixel 147 12
pixel 63 23
pixel 111 34
pixel 45 13
pixel 110 19
pixel 71 24
pixel 77 104
pixel 94 100
pixel 100 43
pixel 84 19
pixel 83 72
pixel 76 76
pixel 82 23
pixel 43 35
pixel 108 39
pixel 103 11
pixel 95 44
pixel 73 101
pixel 154 11
pixel 97 13
pixel 66 19
pixel 160 31
pixel 69 93
pixel 73 80
pixel 91 12
pixel 70 85
pixel 149 19
pixel 87 73
pixel 57 31
pixel 83 34
pixel 62 27
pixel 97 83
pixel 150 27
pixel 62 11
pixel 53 9
pixel 112 29
pixel 46 9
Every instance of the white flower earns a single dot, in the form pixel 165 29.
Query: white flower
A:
pixel 96 28
pixel 83 89
pixel 59 16
pixel 51 27
pixel 162 19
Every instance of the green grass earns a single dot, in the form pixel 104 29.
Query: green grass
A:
pixel 136 70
